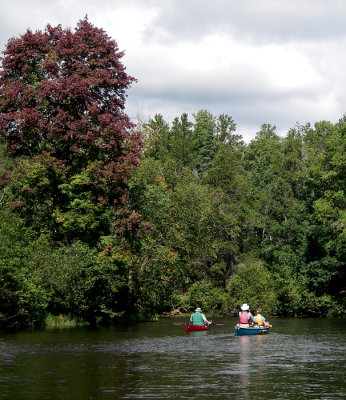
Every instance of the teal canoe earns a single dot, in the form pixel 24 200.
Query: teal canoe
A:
pixel 250 331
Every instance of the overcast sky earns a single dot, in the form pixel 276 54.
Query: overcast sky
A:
pixel 260 61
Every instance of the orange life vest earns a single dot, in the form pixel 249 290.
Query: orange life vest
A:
pixel 259 319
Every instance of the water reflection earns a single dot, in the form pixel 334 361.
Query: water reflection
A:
pixel 258 357
pixel 251 352
pixel 198 333
pixel 244 364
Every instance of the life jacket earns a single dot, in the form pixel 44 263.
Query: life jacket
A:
pixel 197 319
pixel 258 319
pixel 243 317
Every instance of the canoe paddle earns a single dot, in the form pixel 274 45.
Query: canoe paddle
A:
pixel 183 323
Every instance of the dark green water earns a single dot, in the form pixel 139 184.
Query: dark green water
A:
pixel 299 359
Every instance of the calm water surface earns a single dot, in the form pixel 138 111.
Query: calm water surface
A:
pixel 299 359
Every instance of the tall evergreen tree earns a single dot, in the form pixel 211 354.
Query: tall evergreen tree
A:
pixel 182 143
pixel 204 131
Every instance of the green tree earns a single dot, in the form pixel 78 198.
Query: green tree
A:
pixel 204 131
pixel 23 298
pixel 155 134
pixel 325 148
pixel 182 143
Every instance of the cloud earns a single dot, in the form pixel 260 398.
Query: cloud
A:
pixel 218 74
pixel 260 20
pixel 260 61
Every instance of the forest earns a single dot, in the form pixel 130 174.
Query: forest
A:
pixel 104 219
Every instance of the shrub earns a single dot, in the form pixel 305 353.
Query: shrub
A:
pixel 252 284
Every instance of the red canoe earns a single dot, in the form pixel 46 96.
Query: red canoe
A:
pixel 194 328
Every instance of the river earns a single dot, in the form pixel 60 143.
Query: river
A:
pixel 298 359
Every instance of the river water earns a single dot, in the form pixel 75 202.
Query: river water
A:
pixel 298 359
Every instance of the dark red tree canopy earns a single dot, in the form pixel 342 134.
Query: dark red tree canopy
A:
pixel 62 98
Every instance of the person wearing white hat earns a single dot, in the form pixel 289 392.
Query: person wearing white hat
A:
pixel 245 316
pixel 197 318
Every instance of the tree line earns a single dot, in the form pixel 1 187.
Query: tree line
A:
pixel 102 218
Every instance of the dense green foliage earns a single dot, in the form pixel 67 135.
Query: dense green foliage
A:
pixel 93 230
pixel 264 222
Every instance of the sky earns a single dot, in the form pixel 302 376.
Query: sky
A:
pixel 260 61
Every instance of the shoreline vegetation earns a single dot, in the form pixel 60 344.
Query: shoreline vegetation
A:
pixel 103 219
pixel 65 322
pixel 68 322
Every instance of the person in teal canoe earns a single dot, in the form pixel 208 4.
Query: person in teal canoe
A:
pixel 197 318
pixel 245 316
pixel 260 320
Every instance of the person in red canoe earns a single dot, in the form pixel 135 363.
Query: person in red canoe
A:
pixel 197 318
pixel 245 316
